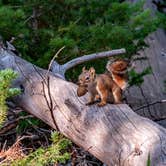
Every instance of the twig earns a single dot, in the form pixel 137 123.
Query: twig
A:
pixel 150 104
pixel 159 119
pixel 27 136
pixel 47 79
pixel 146 100
pixel 52 60
pixel 4 145
pixel 12 124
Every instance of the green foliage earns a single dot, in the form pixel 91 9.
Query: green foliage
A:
pixel 165 85
pixel 56 153
pixel 6 77
pixel 161 13
pixel 148 161
pixel 26 123
pixel 137 78
pixel 82 26
pixel 162 19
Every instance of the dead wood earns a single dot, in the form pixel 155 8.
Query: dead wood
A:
pixel 61 69
pixel 114 134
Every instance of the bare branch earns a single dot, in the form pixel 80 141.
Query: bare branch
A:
pixel 90 57
pixel 61 69
pixel 52 60
pixel 149 104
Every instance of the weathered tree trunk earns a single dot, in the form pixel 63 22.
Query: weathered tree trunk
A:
pixel 153 89
pixel 114 133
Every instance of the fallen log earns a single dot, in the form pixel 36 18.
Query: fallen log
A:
pixel 114 133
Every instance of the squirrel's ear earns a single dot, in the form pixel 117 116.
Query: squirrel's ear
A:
pixel 92 71
pixel 83 69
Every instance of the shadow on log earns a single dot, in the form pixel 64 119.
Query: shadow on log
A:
pixel 114 134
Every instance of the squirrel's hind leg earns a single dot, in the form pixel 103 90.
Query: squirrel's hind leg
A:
pixel 103 95
pixel 117 94
pixel 91 100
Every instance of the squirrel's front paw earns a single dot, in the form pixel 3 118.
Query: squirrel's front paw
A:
pixel 101 104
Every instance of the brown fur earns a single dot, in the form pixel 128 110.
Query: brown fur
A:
pixel 101 85
pixel 81 90
pixel 118 70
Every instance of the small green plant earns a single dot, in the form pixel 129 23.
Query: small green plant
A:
pixel 56 153
pixel 137 78
pixel 148 161
pixel 164 85
pixel 161 12
pixel 23 124
pixel 6 77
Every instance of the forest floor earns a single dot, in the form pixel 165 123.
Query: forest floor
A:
pixel 23 133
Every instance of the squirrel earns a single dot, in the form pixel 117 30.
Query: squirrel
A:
pixel 116 75
pixel 99 86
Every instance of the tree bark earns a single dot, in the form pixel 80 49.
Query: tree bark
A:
pixel 153 87
pixel 114 133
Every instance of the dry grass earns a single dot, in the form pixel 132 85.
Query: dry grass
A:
pixel 13 153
